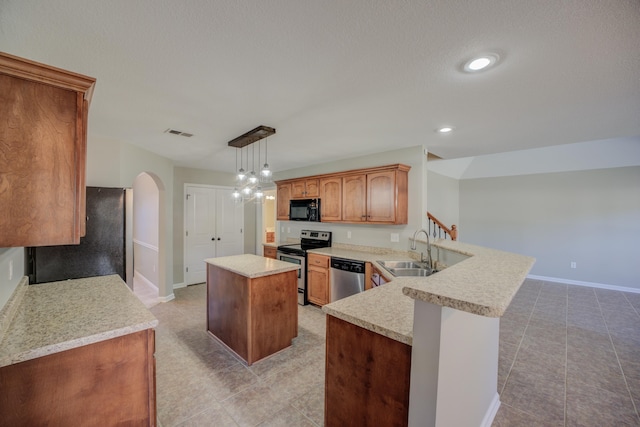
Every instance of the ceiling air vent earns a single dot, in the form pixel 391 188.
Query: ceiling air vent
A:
pixel 178 132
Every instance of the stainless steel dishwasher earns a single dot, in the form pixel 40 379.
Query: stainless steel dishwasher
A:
pixel 346 278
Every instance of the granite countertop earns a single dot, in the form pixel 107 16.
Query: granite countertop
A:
pixel 58 316
pixel 483 284
pixel 252 266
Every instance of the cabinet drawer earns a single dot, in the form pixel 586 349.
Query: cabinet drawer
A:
pixel 316 260
pixel 270 252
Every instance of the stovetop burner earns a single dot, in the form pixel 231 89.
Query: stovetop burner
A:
pixel 309 239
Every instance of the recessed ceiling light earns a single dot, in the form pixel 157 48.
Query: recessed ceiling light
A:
pixel 445 129
pixel 481 63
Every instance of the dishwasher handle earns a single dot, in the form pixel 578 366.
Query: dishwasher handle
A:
pixel 349 265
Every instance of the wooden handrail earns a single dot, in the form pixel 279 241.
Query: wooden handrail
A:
pixel 452 232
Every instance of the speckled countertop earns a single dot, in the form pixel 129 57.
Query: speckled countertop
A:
pixel 483 284
pixel 58 316
pixel 252 266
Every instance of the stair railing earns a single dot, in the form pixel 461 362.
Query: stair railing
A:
pixel 437 229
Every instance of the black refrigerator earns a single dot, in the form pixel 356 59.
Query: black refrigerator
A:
pixel 102 251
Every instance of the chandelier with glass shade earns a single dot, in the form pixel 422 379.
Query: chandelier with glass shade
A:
pixel 248 184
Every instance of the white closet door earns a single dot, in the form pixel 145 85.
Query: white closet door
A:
pixel 229 224
pixel 214 228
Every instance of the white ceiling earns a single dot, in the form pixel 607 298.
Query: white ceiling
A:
pixel 339 79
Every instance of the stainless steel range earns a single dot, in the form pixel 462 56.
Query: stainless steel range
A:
pixel 297 254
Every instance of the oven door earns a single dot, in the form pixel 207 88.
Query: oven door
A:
pixel 302 274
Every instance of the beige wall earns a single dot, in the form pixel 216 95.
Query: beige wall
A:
pixel 590 217
pixel 444 198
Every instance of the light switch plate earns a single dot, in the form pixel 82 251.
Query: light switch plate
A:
pixel 395 237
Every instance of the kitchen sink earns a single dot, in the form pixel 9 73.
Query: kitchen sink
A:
pixel 401 264
pixel 416 272
pixel 406 268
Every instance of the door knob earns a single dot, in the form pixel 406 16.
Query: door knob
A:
pixel 213 238
pixel 218 238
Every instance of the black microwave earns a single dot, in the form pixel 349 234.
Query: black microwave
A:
pixel 304 210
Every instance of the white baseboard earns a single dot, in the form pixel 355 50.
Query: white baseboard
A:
pixel 491 412
pixel 179 285
pixel 167 298
pixel 139 276
pixel 588 284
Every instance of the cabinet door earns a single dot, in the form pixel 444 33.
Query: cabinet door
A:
pixel 354 198
pixel 331 199
pixel 298 189
pixel 381 197
pixel 311 188
pixel 318 280
pixel 42 153
pixel 284 196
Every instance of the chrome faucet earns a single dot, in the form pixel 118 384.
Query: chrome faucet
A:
pixel 413 246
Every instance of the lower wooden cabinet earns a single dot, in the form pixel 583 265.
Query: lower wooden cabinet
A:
pixel 318 278
pixel 269 252
pixel 367 377
pixel 110 382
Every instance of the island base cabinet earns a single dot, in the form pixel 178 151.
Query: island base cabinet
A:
pixel 367 377
pixel 253 317
pixel 110 382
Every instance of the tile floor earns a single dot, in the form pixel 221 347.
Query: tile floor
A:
pixel 569 356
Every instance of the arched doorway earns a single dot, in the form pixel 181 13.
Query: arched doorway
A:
pixel 148 242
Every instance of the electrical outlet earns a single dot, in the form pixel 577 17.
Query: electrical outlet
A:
pixel 395 237
pixel 573 264
pixel 282 229
pixel 10 269
pixel 288 230
pixel 154 268
pixel 348 234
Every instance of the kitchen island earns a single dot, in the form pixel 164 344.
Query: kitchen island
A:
pixel 77 352
pixel 252 304
pixel 439 349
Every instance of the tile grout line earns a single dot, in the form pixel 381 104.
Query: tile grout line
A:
pixel 624 377
pixel 566 354
pixel 515 356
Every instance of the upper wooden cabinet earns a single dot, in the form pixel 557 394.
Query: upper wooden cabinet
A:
pixel 304 189
pixel 331 199
pixel 354 198
pixel 282 202
pixel 43 140
pixel 374 195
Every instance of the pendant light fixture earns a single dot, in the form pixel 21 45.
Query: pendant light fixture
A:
pixel 247 185
pixel 265 173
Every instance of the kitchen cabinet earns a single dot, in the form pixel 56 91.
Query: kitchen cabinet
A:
pixel 270 251
pixel 330 194
pixel 376 195
pixel 254 314
pixel 84 385
pixel 304 189
pixel 373 277
pixel 77 353
pixel 43 137
pixel 367 377
pixel 282 206
pixel 354 198
pixel 318 278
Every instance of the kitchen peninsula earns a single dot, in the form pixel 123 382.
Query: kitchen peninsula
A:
pixel 77 352
pixel 424 347
pixel 252 304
